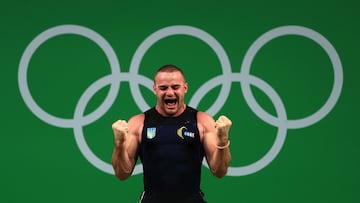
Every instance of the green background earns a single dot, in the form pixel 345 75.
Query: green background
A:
pixel 319 163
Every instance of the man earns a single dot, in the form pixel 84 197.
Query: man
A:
pixel 171 140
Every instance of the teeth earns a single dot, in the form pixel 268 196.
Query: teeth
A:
pixel 170 101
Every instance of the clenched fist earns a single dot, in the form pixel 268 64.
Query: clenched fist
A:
pixel 222 126
pixel 120 129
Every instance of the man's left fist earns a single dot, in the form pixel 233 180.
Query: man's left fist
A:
pixel 222 126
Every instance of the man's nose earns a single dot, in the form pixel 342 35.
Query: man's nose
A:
pixel 169 92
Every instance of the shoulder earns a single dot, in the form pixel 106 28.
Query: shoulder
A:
pixel 135 125
pixel 137 119
pixel 136 122
pixel 206 124
pixel 204 118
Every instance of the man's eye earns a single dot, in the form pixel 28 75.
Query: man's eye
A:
pixel 162 87
pixel 175 87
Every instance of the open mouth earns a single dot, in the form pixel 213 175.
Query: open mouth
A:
pixel 170 102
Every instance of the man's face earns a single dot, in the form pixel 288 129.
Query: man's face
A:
pixel 170 89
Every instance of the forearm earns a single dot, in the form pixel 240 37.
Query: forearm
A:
pixel 222 157
pixel 220 162
pixel 123 164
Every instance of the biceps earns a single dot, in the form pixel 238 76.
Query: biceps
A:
pixel 209 144
pixel 133 147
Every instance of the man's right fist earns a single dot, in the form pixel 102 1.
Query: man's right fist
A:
pixel 120 129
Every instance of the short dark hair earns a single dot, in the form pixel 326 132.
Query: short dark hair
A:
pixel 170 68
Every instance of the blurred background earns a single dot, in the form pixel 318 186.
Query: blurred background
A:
pixel 285 72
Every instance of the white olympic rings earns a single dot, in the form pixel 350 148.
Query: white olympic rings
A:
pixel 225 80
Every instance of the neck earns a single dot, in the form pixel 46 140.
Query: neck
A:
pixel 178 113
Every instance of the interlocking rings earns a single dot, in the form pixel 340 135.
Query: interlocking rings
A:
pixel 225 80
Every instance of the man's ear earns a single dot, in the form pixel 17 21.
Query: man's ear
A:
pixel 186 87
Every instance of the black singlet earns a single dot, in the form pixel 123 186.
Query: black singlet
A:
pixel 171 152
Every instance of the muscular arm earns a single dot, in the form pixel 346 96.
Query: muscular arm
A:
pixel 126 144
pixel 214 135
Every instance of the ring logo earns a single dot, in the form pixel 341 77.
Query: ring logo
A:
pixel 244 78
pixel 180 132
pixel 183 131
